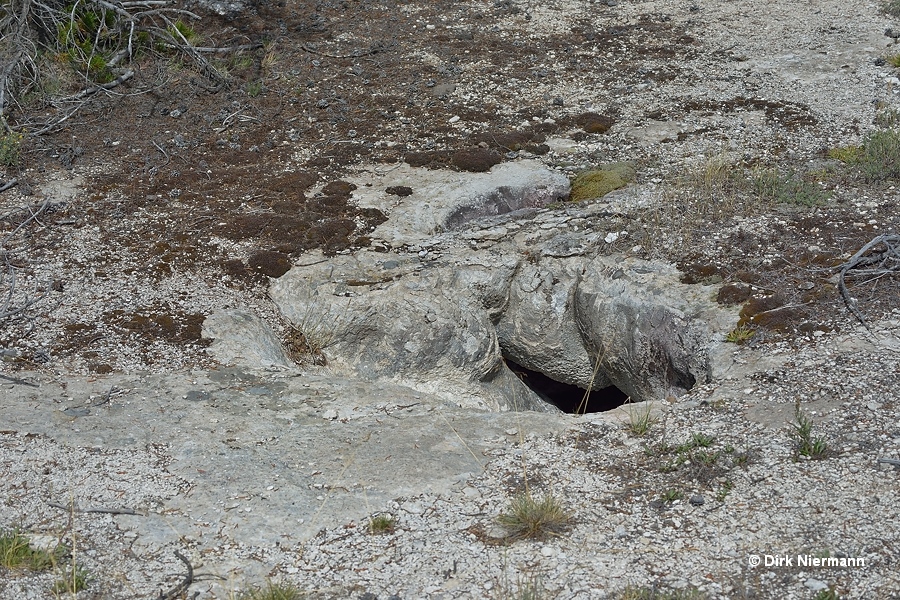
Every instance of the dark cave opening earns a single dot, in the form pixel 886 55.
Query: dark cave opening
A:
pixel 568 398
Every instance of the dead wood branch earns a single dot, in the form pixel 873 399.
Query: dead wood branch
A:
pixel 224 50
pixel 178 590
pixel 32 217
pixel 18 381
pixel 882 261
pixel 9 184
pixel 16 302
pixel 103 86
pixel 105 511
pixel 80 98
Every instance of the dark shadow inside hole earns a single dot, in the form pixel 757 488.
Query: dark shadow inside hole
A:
pixel 568 398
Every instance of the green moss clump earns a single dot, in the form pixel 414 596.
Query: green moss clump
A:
pixel 598 182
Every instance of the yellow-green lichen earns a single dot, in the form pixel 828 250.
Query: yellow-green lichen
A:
pixel 598 182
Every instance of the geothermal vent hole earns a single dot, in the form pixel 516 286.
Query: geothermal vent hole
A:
pixel 568 398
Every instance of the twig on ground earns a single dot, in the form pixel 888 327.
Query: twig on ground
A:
pixel 80 98
pixel 19 381
pixel 182 587
pixel 374 49
pixel 106 511
pixel 33 217
pixel 163 152
pixel 887 261
pixel 9 184
pixel 890 461
pixel 225 50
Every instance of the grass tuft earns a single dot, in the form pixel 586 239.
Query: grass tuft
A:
pixel 739 335
pixel 880 159
pixel 17 553
pixel 724 490
pixel 645 593
pixel 802 430
pixel 526 587
pixel 701 440
pixel 380 524
pixel 640 420
pixel 273 591
pixel 846 154
pixel 531 518
pixel 254 88
pixel 771 185
pixel 74 580
pixel 892 7
pixel 671 495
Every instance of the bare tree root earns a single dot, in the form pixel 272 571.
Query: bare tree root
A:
pixel 874 264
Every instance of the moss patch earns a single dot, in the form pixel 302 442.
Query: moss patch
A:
pixel 598 182
pixel 270 263
pixel 476 160
pixel 592 122
pixel 734 293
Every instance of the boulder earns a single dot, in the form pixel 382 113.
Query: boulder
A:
pixel 651 334
pixel 240 337
pixel 379 316
pixel 539 329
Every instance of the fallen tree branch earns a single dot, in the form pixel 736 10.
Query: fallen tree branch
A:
pixel 9 184
pixel 887 261
pixel 33 217
pixel 80 98
pixel 103 86
pixel 18 381
pixel 29 28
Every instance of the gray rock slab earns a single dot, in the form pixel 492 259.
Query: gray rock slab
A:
pixel 256 468
pixel 447 200
pixel 651 333
pixel 539 329
pixel 534 288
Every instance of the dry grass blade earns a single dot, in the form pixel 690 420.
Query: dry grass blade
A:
pixel 640 420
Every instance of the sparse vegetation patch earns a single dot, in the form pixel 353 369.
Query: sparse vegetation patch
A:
pixel 806 443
